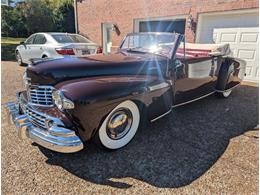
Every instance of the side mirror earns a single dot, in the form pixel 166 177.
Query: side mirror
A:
pixel 22 43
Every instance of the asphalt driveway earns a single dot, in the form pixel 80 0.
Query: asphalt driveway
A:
pixel 207 147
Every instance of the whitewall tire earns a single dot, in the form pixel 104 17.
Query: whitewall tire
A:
pixel 226 93
pixel 120 126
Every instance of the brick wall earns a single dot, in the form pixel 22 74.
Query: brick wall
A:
pixel 91 13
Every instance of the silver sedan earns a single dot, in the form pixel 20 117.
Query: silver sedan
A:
pixel 54 45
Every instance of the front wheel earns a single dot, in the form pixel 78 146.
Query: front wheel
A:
pixel 120 126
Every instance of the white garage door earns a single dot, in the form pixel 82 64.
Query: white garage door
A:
pixel 239 28
pixel 244 44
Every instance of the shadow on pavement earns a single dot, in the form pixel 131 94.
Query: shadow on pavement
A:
pixel 172 152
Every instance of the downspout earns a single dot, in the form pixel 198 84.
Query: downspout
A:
pixel 76 16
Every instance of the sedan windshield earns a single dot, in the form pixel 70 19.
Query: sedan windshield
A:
pixel 158 43
pixel 70 38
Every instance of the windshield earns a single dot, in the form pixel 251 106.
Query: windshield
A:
pixel 70 38
pixel 159 43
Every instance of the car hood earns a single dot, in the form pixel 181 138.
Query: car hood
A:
pixel 122 63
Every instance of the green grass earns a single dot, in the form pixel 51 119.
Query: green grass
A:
pixel 8 45
pixel 11 40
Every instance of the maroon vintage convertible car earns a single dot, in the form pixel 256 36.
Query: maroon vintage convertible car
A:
pixel 72 100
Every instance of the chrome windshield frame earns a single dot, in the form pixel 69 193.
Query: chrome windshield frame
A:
pixel 178 40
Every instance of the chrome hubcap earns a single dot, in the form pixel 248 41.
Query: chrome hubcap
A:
pixel 119 123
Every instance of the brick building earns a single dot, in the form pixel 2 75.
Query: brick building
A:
pixel 204 21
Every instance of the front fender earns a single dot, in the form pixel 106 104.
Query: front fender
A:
pixel 95 97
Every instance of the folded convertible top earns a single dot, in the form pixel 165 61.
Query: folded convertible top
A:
pixel 203 50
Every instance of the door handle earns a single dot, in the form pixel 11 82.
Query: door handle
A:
pixel 179 65
pixel 40 48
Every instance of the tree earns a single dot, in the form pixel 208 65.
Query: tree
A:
pixel 64 15
pixel 38 16
pixel 33 16
pixel 6 20
pixel 12 22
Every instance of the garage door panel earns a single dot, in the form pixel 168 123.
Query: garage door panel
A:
pixel 249 71
pixel 247 37
pixel 228 37
pixel 248 55
pixel 243 44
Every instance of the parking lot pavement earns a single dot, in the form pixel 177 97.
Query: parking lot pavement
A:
pixel 207 147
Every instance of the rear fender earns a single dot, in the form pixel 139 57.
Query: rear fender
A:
pixel 231 73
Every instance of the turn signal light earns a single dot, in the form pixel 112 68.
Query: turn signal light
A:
pixel 63 51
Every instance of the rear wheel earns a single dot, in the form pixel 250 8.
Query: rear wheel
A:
pixel 120 126
pixel 224 94
pixel 224 75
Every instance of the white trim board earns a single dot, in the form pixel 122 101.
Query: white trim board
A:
pixel 138 20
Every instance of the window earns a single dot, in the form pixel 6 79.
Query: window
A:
pixel 39 39
pixel 69 38
pixel 30 39
pixel 79 39
pixel 160 43
pixel 177 26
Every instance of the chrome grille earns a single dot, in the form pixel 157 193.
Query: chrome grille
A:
pixel 35 117
pixel 40 95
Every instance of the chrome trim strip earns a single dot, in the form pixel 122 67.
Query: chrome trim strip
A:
pixel 222 91
pixel 158 86
pixel 155 119
pixel 193 100
pixel 180 105
pixel 59 139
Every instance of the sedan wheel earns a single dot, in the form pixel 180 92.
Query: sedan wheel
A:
pixel 120 126
pixel 19 59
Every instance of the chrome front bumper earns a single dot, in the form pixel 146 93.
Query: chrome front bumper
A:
pixel 54 138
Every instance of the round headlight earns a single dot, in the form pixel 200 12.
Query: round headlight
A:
pixel 61 101
pixel 57 97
